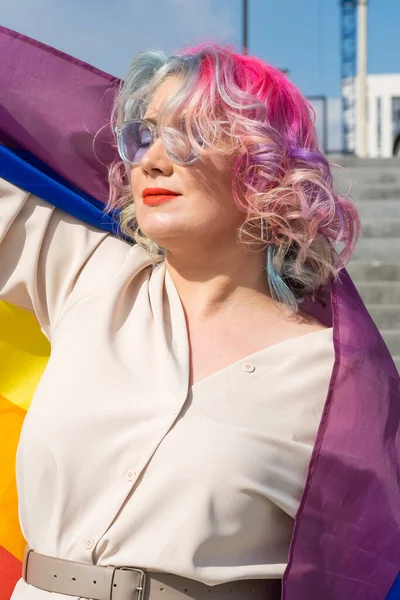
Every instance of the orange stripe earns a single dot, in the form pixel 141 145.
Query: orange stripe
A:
pixel 11 419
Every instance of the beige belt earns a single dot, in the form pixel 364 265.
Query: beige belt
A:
pixel 129 583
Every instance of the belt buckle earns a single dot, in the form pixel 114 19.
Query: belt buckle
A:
pixel 142 582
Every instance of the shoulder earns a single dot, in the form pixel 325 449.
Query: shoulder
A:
pixel 298 324
pixel 112 256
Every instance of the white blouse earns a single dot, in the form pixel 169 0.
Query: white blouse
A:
pixel 120 462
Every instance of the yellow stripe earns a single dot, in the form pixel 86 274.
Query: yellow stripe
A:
pixel 24 353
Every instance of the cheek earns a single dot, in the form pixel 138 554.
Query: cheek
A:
pixel 134 179
pixel 214 182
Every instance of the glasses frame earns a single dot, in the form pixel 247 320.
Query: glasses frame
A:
pixel 155 135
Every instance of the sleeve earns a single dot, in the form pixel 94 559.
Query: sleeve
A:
pixel 44 252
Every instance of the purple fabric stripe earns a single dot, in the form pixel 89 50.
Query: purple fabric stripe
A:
pixel 346 539
pixel 53 105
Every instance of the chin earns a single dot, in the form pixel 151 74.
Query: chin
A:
pixel 164 234
pixel 178 232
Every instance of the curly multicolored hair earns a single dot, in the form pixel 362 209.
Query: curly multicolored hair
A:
pixel 237 103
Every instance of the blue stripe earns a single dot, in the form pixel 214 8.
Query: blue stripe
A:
pixel 394 593
pixel 25 171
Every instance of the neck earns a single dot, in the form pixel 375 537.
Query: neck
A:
pixel 212 283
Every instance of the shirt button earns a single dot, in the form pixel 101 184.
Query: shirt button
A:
pixel 130 475
pixel 89 544
pixel 249 368
pixel 175 411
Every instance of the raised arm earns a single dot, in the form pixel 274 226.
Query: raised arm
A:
pixel 43 253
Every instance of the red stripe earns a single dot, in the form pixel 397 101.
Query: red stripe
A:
pixel 10 572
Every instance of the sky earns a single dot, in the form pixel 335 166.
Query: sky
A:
pixel 302 36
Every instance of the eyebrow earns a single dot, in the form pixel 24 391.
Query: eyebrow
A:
pixel 151 120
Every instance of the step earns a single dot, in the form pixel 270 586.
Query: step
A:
pixel 392 339
pixel 353 162
pixel 379 292
pixel 386 316
pixel 361 193
pixel 375 270
pixel 366 176
pixel 382 209
pixel 377 249
pixel 388 228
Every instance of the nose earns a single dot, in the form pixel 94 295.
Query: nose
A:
pixel 156 160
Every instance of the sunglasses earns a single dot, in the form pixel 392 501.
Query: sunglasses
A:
pixel 135 138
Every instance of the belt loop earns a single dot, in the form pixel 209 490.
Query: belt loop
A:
pixel 27 551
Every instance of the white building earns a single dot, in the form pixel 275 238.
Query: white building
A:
pixel 383 115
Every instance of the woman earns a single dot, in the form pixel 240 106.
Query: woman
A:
pixel 174 425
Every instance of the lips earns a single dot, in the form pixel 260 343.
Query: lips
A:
pixel 154 196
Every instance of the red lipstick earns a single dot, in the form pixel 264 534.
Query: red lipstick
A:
pixel 154 196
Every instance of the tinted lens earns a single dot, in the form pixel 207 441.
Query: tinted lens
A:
pixel 134 141
pixel 178 146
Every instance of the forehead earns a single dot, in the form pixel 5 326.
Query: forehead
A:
pixel 164 91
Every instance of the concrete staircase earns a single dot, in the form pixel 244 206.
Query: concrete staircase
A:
pixel 375 266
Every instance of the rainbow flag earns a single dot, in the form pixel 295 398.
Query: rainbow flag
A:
pixel 71 175
pixel 346 537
